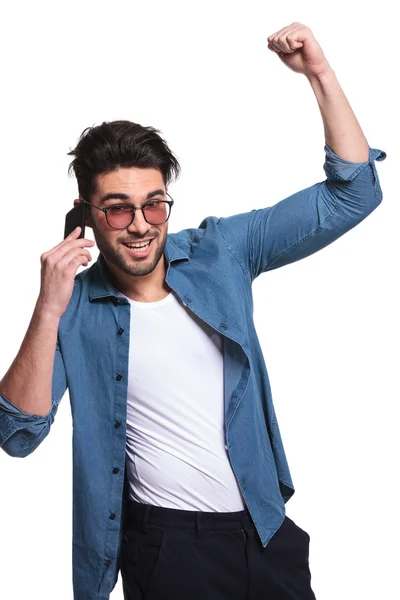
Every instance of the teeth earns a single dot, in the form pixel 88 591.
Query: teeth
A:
pixel 143 245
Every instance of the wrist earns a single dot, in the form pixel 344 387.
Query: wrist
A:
pixel 46 313
pixel 324 78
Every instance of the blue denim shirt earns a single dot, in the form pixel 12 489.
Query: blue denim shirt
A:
pixel 211 268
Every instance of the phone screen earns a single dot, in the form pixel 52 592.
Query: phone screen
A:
pixel 76 216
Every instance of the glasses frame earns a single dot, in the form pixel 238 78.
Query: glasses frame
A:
pixel 134 209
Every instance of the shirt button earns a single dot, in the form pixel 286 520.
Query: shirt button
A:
pixel 243 484
pixel 117 424
pixel 234 399
pixel 115 470
pixel 118 377
pixel 112 516
pixel 187 299
pixel 223 326
pixel 107 563
pixel 120 331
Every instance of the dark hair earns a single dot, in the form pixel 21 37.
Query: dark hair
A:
pixel 115 144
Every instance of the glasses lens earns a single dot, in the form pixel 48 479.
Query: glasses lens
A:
pixel 156 213
pixel 119 216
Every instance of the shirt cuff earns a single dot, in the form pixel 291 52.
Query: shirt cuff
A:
pixel 337 168
pixel 13 412
pixel 12 419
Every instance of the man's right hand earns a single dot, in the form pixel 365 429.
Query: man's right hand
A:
pixel 59 267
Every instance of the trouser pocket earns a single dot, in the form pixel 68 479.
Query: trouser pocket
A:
pixel 140 556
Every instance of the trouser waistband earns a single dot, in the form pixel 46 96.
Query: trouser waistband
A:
pixel 144 515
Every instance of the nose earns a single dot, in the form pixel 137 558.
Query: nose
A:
pixel 139 225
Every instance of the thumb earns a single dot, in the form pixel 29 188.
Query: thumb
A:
pixel 295 45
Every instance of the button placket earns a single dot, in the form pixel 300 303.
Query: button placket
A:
pixel 121 338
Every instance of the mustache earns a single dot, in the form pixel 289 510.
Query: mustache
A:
pixel 138 239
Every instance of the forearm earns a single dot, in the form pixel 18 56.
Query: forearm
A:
pixel 342 131
pixel 28 382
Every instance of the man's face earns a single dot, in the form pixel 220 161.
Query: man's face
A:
pixel 137 186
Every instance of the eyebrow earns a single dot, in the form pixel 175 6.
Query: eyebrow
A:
pixel 118 196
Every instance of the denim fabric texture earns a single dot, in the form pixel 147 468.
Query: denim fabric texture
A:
pixel 211 268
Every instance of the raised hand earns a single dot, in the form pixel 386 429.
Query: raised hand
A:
pixel 298 49
pixel 59 267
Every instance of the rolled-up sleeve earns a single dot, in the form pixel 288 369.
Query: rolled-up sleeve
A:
pixel 307 221
pixel 20 432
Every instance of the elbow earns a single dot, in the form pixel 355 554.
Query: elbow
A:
pixel 372 202
pixel 372 190
pixel 378 196
pixel 358 206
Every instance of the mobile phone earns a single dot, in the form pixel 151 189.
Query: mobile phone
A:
pixel 76 216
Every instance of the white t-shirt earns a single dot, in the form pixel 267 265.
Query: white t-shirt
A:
pixel 176 454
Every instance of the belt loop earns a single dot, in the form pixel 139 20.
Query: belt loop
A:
pixel 145 518
pixel 198 524
pixel 245 527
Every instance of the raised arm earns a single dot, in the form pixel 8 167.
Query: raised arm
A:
pixel 303 223
pixel 299 50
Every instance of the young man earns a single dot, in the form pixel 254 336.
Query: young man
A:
pixel 180 476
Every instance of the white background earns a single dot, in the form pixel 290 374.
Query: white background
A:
pixel 248 133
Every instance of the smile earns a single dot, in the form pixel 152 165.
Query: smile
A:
pixel 139 248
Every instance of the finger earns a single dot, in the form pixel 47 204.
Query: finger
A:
pixel 285 30
pixel 72 236
pixel 288 45
pixel 76 262
pixel 274 46
pixel 273 49
pixel 280 39
pixel 80 259
pixel 294 44
pixel 65 245
pixel 69 256
pixel 62 249
pixel 62 266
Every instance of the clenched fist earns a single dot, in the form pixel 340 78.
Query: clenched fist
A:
pixel 299 50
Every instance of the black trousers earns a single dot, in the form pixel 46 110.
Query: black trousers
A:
pixel 170 554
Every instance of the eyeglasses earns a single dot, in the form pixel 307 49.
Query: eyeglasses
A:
pixel 119 216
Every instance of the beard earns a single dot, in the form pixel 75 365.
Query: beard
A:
pixel 131 266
